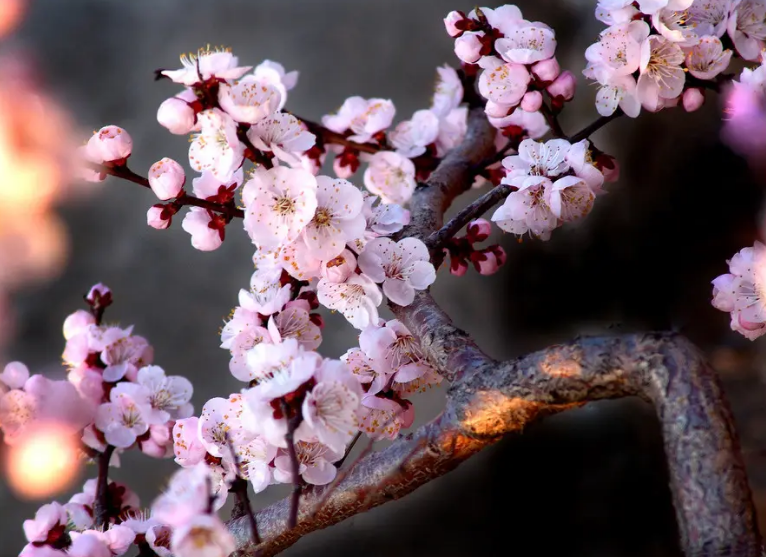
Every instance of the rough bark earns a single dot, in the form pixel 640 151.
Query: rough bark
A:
pixel 488 399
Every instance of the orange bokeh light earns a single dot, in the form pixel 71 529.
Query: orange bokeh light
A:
pixel 10 15
pixel 43 463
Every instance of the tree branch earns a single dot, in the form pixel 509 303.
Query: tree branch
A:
pixel 488 399
pixel 594 126
pixel 101 501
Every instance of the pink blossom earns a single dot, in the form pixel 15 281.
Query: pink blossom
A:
pixel 488 261
pixel 357 299
pixel 382 418
pixel 615 12
pixel 364 117
pixel 299 261
pixel 693 99
pixel 166 178
pixel 411 137
pixel 619 48
pixel 158 217
pixel 563 87
pixel 503 83
pixel 187 495
pixel 216 148
pixel 662 76
pixel 709 17
pixel 88 545
pixel 279 202
pixel 742 291
pixel 448 93
pixel 651 6
pixel 255 457
pixel 159 443
pixel 295 322
pixel 746 113
pixel 537 159
pixel 124 357
pixel 394 352
pixel 14 375
pixel 383 219
pixel 274 74
pixel 315 464
pixel 221 420
pixel 533 123
pixel 676 26
pixel 176 114
pixel 468 47
pixel 47 518
pixel 527 209
pixel 618 90
pixel 391 176
pixel 707 59
pixel 284 135
pixel 527 43
pixel 363 369
pixel 329 409
pixel 267 295
pixel 546 70
pixel 110 144
pixel 118 539
pixel 338 218
pixel 207 186
pixel 168 395
pixel 205 235
pixel 249 100
pixel 532 101
pixel 77 323
pixel 579 159
pixel 187 446
pixel 452 130
pixel 747 28
pixel 207 64
pixel 340 268
pixel 451 23
pixel 570 198
pixel 402 267
pixel 122 419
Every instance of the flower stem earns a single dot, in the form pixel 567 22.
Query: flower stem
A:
pixel 101 503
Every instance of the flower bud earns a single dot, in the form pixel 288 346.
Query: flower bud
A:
pixel 342 169
pixel 546 70
pixel 458 267
pixel 340 268
pixel 177 116
pixel 468 48
pixel 451 23
pixel 489 261
pixel 157 217
pixel 110 144
pixel 563 86
pixel 99 296
pixel 77 322
pixel 14 375
pixel 693 99
pixel 496 110
pixel 166 178
pixel 478 230
pixel 532 101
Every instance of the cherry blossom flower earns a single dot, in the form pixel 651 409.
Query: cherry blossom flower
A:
pixel 116 538
pixel 338 218
pixel 676 27
pixel 166 178
pixel 295 322
pixel 363 368
pixel 662 76
pixel 650 7
pixel 206 234
pixel 747 28
pixel 110 144
pixel 315 464
pixel 125 356
pixel 329 409
pixel 742 291
pixel 615 12
pixel 391 176
pixel 383 418
pixel 693 99
pixel 527 43
pixel 537 159
pixel 503 83
pixel 242 332
pixel 77 323
pixel 274 74
pixel 187 496
pixel 88 545
pixel 527 209
pixel 219 422
pixel 168 396
pixel 364 117
pixel 357 299
pixel 207 64
pixel 709 17
pixel 411 137
pixel 249 100
pixel 619 48
pixel 579 159
pixel 402 267
pixel 216 148
pixel 469 46
pixel 122 419
pixel 158 217
pixel 546 70
pixel 284 135
pixel 279 202
pixel 48 518
pixel 177 115
pixel 202 536
pixel 563 87
pixel 255 457
pixel 187 446
pixel 618 91
pixel 448 93
pixel 383 219
pixel 454 23
pixel 299 261
pixel 340 268
pixel 570 198
pixel 746 113
pixel 452 130
pixel 267 295
pixel 707 59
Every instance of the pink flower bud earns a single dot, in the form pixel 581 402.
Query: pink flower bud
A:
pixel 166 177
pixel 110 144
pixel 177 116
pixel 468 47
pixel 339 269
pixel 458 267
pixel 157 217
pixel 77 322
pixel 489 261
pixel 532 101
pixel 451 23
pixel 496 110
pixel 693 99
pixel 563 86
pixel 99 296
pixel 546 70
pixel 478 230
pixel 342 170
pixel 84 169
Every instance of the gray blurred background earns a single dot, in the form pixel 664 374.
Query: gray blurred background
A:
pixel 590 482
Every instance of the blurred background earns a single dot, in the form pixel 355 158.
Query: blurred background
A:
pixel 587 483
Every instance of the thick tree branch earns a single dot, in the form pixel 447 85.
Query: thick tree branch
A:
pixel 488 399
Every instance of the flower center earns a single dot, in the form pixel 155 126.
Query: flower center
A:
pixel 323 216
pixel 284 206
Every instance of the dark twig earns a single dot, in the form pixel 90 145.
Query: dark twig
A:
pixel 472 211
pixel 239 488
pixel 229 210
pixel 348 450
pixel 328 136
pixel 101 503
pixel 292 424
pixel 553 121
pixel 594 126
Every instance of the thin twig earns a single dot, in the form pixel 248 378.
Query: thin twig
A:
pixel 348 449
pixel 292 424
pixel 239 488
pixel 553 121
pixel 101 503
pixel 326 135
pixel 472 211
pixel 594 126
pixel 229 210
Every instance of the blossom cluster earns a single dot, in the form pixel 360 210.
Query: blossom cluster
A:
pixel 659 53
pixel 742 291
pixel 517 57
pixel 745 112
pixel 553 183
pixel 462 250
